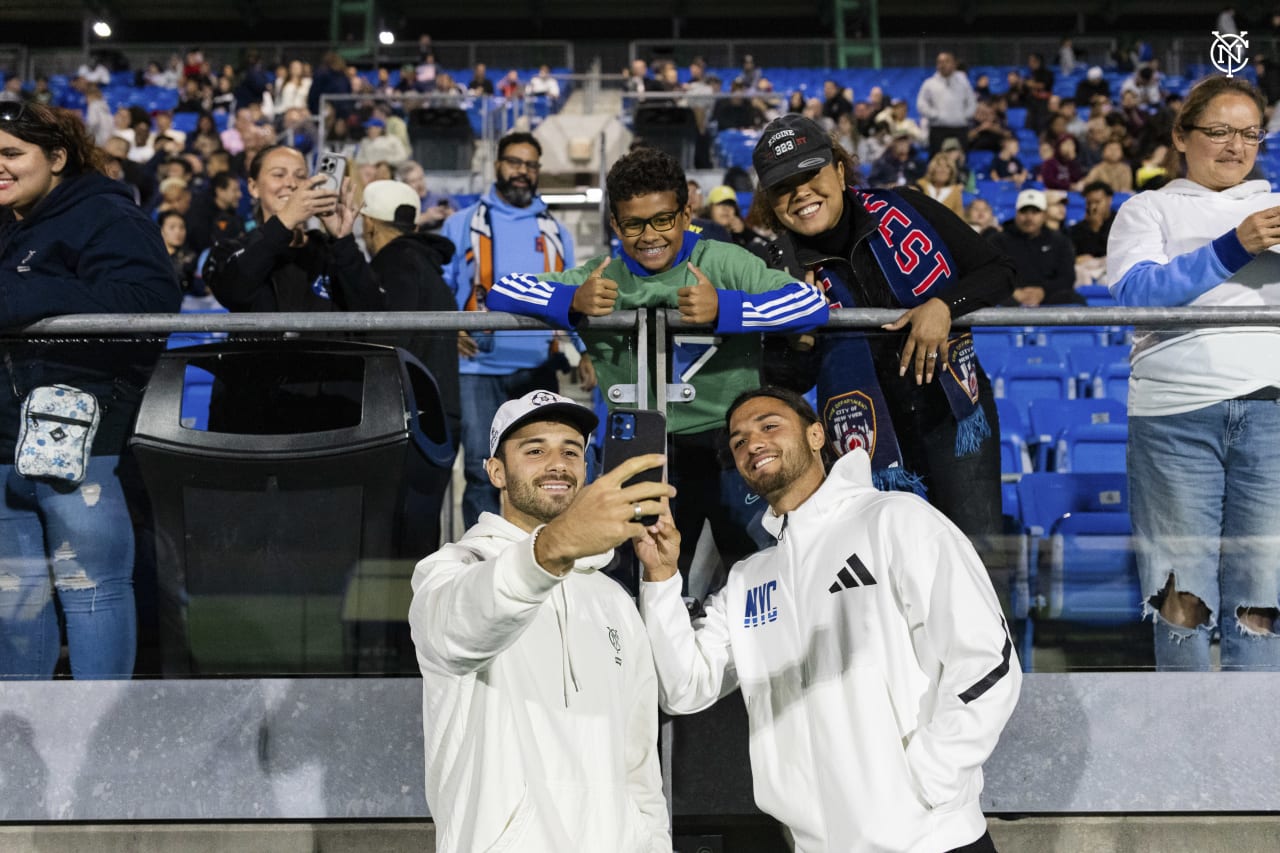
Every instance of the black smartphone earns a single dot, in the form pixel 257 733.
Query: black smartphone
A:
pixel 635 432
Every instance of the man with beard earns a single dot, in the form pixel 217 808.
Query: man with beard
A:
pixel 508 230
pixel 868 642
pixel 539 695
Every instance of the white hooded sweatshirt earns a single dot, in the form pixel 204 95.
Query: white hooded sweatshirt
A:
pixel 875 665
pixel 539 702
pixel 1177 246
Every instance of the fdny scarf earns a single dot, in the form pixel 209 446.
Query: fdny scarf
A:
pixel 917 265
pixel 480 252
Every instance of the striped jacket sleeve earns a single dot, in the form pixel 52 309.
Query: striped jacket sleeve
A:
pixel 794 307
pixel 524 293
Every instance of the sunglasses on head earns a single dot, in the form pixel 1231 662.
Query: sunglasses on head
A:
pixel 12 111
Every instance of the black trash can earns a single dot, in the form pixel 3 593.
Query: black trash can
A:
pixel 280 527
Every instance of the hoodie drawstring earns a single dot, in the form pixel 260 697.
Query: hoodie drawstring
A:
pixel 569 677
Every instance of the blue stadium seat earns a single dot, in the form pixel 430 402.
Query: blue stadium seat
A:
pixel 992 350
pixel 1092 576
pixel 1085 362
pixel 1033 373
pixel 1097 295
pixel 1044 499
pixel 980 161
pixel 1048 419
pixel 1089 448
pixel 1066 337
pixel 1112 381
pixel 1015 458
pixel 1017 117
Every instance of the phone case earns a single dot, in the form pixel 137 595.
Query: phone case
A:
pixel 635 432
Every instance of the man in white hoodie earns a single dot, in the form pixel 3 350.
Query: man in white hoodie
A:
pixel 868 643
pixel 539 695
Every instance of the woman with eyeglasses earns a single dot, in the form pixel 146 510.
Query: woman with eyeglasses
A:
pixel 72 241
pixel 1204 403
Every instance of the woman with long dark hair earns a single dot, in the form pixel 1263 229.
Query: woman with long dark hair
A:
pixel 74 243
pixel 916 399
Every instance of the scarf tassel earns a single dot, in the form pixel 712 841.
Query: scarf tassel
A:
pixel 971 432
pixel 898 479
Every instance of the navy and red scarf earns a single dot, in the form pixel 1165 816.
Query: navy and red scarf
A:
pixel 917 266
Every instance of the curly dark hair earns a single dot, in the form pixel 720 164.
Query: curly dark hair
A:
pixel 644 171
pixel 54 129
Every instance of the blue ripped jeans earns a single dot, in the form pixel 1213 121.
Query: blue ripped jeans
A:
pixel 1205 501
pixel 75 542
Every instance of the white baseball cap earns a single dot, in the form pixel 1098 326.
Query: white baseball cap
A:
pixel 1032 198
pixel 538 406
pixel 386 200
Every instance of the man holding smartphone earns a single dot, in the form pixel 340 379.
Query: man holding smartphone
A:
pixel 873 659
pixel 539 694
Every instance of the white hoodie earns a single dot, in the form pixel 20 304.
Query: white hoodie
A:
pixel 1176 246
pixel 539 702
pixel 874 662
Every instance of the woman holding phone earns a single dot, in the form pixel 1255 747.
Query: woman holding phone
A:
pixel 283 266
pixel 1204 403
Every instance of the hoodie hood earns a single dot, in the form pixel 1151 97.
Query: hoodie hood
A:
pixel 1243 190
pixel 436 248
pixel 493 526
pixel 498 206
pixel 850 475
pixel 73 192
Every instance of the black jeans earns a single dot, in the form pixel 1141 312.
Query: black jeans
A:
pixel 982 845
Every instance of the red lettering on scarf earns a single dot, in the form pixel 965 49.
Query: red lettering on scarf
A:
pixel 875 206
pixel 894 216
pixel 943 268
pixel 906 256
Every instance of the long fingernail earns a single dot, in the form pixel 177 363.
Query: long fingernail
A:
pixel 902 371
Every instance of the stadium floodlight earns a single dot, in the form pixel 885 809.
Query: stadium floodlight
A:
pixel 387 37
pixel 102 29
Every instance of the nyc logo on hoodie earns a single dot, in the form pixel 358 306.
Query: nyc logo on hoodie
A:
pixel 760 607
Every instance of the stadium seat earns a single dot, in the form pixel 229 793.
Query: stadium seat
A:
pixel 1097 295
pixel 1043 499
pixel 1085 362
pixel 1087 448
pixel 1048 418
pixel 1112 381
pixel 1093 575
pixel 1065 337
pixel 1015 458
pixel 1033 373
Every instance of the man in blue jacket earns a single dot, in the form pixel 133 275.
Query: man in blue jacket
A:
pixel 508 230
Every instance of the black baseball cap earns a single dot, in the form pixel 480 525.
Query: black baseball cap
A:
pixel 790 145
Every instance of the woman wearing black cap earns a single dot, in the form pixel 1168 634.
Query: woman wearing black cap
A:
pixel 926 428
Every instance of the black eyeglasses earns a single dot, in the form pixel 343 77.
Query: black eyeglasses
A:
pixel 1221 134
pixel 515 162
pixel 12 111
pixel 660 222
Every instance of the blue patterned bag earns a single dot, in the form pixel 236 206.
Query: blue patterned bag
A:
pixel 56 436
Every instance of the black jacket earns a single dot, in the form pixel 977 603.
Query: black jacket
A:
pixel 85 249
pixel 1047 260
pixel 986 278
pixel 262 272
pixel 409 272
